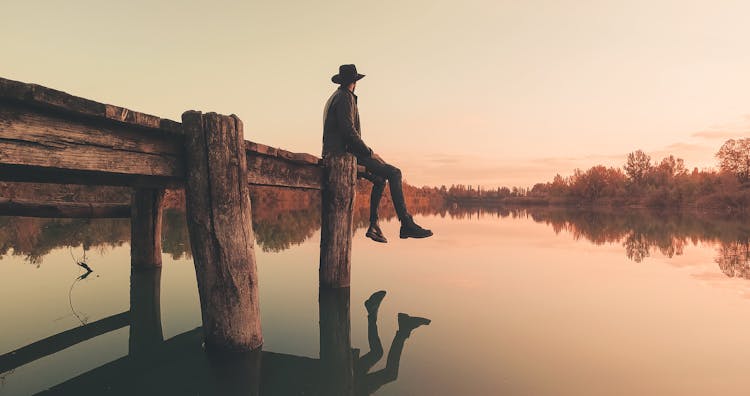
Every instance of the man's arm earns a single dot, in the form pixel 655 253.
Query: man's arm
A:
pixel 345 119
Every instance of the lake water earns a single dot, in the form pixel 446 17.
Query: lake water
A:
pixel 521 302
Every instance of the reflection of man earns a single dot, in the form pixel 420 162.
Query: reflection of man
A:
pixel 341 133
pixel 367 383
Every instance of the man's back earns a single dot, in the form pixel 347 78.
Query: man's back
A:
pixel 341 129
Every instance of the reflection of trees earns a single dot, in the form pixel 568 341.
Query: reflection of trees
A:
pixel 283 218
pixel 642 232
pixel 36 237
pixel 636 247
pixel 174 234
pixel 283 230
pixel 734 259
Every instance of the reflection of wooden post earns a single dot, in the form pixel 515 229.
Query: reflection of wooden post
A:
pixel 339 178
pixel 221 234
pixel 145 228
pixel 236 374
pixel 145 312
pixel 336 355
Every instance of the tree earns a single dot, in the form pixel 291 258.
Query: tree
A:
pixel 559 185
pixel 637 166
pixel 734 158
pixel 672 166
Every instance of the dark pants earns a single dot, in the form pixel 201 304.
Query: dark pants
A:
pixel 378 172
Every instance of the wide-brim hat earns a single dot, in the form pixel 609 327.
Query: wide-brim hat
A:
pixel 347 74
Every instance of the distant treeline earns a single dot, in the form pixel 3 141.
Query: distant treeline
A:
pixel 639 183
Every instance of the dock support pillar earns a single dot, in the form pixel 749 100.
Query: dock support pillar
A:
pixel 145 227
pixel 337 219
pixel 219 221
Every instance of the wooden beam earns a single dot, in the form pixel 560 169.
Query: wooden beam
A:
pixel 64 103
pixel 266 170
pixel 15 207
pixel 33 139
pixel 40 174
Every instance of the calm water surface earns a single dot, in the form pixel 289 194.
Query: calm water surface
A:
pixel 522 303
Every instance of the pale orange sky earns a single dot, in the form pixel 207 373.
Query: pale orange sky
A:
pixel 481 92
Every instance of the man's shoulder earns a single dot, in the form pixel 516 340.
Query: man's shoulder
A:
pixel 342 95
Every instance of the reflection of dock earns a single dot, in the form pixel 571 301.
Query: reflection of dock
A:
pixel 48 136
pixel 60 341
pixel 181 365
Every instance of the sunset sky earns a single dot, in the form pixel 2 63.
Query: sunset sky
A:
pixel 476 92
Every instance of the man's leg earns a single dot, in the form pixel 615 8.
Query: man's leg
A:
pixel 406 324
pixel 378 185
pixel 378 167
pixel 393 175
pixel 365 363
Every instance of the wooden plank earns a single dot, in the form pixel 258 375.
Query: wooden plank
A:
pixel 301 158
pixel 40 174
pixel 37 95
pixel 265 170
pixel 122 114
pixel 49 98
pixel 64 193
pixel 39 140
pixel 15 207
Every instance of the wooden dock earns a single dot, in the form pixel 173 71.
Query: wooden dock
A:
pixel 49 136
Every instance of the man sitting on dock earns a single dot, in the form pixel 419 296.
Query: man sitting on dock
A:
pixel 342 133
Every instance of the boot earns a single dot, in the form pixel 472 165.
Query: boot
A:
pixel 407 323
pixel 410 229
pixel 374 233
pixel 373 303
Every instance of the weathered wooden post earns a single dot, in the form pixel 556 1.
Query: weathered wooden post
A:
pixel 145 227
pixel 220 225
pixel 337 221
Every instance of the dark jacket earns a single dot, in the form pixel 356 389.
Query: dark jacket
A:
pixel 341 131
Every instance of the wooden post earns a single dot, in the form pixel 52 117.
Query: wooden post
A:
pixel 145 228
pixel 221 235
pixel 339 178
pixel 336 355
